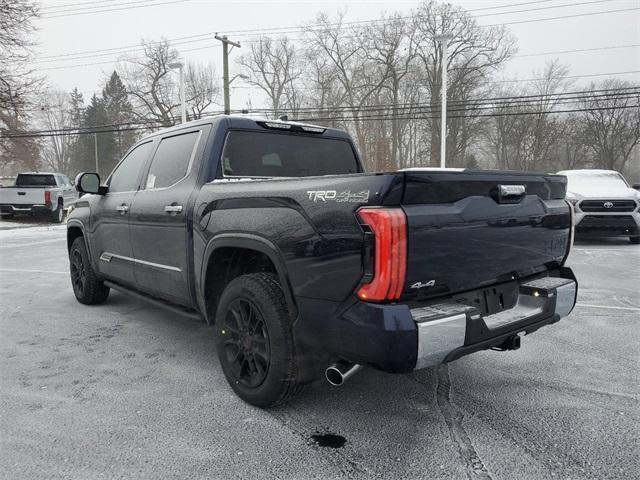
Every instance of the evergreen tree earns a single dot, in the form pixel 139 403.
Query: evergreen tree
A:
pixel 76 113
pixel 119 111
pixel 95 119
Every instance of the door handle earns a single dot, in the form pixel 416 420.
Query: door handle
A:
pixel 173 208
pixel 122 209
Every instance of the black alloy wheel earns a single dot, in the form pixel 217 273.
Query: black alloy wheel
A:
pixel 246 344
pixel 78 273
pixel 254 340
pixel 87 287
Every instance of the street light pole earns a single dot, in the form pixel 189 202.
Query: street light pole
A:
pixel 225 69
pixel 95 149
pixel 183 103
pixel 444 43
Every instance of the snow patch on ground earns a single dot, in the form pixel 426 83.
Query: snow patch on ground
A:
pixel 24 231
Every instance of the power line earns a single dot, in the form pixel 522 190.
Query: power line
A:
pixel 504 114
pixel 130 7
pixel 297 29
pixel 472 106
pixel 580 50
pixel 467 106
pixel 136 50
pixel 311 119
pixel 563 17
pixel 80 4
pixel 493 82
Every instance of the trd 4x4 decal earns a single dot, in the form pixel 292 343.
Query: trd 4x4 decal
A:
pixel 335 196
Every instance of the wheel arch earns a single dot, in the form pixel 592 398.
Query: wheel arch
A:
pixel 240 243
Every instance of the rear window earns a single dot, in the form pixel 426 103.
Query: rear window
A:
pixel 262 154
pixel 171 161
pixel 35 180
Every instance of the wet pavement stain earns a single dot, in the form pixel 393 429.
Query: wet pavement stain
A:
pixel 329 440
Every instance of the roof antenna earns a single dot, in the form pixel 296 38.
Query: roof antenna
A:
pixel 284 118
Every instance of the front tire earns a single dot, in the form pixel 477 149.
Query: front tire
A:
pixel 254 341
pixel 634 240
pixel 86 286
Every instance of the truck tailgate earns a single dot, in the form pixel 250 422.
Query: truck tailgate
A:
pixel 22 195
pixel 466 231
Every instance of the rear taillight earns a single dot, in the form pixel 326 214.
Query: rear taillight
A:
pixel 389 229
pixel 47 196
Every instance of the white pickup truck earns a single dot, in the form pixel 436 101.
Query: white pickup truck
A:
pixel 35 193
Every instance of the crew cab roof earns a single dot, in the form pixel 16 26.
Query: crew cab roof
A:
pixel 248 122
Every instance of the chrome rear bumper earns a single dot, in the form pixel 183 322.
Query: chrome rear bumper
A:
pixel 443 328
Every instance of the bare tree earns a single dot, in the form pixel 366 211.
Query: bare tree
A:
pixel 391 46
pixel 525 133
pixel 201 88
pixel 150 84
pixel 57 114
pixel 18 85
pixel 274 67
pixel 360 79
pixel 475 53
pixel 611 127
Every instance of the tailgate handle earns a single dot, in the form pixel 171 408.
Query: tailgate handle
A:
pixel 511 193
pixel 22 193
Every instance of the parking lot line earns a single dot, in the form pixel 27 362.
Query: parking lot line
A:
pixel 28 244
pixel 20 270
pixel 630 309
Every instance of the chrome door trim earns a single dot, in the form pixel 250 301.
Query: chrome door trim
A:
pixel 107 257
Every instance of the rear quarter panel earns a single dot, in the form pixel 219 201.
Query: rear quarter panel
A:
pixel 311 222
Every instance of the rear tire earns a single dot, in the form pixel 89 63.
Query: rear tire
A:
pixel 58 214
pixel 635 240
pixel 254 341
pixel 86 286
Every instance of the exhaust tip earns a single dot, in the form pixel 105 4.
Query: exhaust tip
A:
pixel 334 376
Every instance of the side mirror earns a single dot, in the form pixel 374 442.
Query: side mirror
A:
pixel 636 186
pixel 89 183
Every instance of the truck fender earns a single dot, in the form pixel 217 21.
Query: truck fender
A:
pixel 77 224
pixel 250 242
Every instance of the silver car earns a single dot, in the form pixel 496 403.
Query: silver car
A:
pixel 604 204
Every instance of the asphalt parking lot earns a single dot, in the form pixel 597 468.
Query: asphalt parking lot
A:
pixel 125 390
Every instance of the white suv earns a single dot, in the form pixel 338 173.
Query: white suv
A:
pixel 604 203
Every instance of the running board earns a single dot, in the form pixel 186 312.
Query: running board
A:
pixel 155 301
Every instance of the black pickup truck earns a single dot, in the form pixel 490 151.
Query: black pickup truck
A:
pixel 305 264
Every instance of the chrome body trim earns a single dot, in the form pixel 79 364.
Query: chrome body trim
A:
pixel 107 257
pixel 439 337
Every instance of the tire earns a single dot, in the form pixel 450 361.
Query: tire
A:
pixel 86 286
pixel 635 240
pixel 58 214
pixel 254 341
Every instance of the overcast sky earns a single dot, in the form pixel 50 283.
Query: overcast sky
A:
pixel 74 33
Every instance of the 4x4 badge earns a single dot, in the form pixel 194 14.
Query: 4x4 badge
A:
pixel 430 283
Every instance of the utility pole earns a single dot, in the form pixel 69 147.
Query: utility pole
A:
pixel 225 69
pixel 444 44
pixel 95 149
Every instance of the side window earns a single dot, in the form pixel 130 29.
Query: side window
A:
pixel 172 159
pixel 125 177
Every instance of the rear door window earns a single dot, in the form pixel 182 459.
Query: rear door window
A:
pixel 263 154
pixel 172 160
